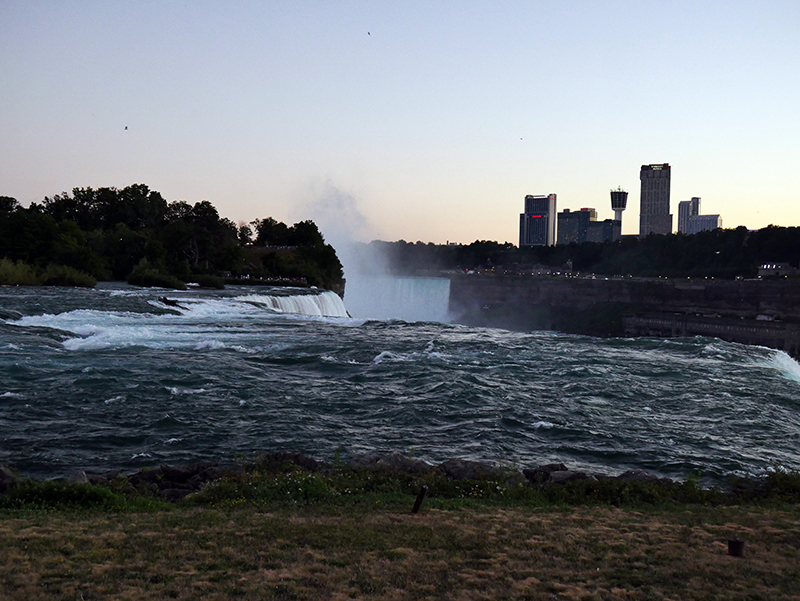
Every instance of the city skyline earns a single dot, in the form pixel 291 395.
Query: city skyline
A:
pixel 427 121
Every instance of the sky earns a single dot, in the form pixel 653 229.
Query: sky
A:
pixel 426 120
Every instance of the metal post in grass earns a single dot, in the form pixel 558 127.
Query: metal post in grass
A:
pixel 735 547
pixel 420 497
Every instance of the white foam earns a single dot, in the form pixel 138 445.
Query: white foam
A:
pixel 390 357
pixel 212 323
pixel 787 366
pixel 175 390
pixel 323 304
pixel 542 424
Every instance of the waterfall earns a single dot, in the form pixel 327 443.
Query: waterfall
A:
pixel 324 303
pixel 394 297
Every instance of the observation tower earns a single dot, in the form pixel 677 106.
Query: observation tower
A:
pixel 619 201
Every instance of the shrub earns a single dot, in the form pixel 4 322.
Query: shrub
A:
pixel 62 275
pixel 17 273
pixel 59 495
pixel 209 281
pixel 144 274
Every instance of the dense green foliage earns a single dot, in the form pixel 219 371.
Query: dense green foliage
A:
pixel 146 275
pixel 288 484
pixel 17 273
pixel 134 234
pixel 295 486
pixel 722 253
pixel 59 495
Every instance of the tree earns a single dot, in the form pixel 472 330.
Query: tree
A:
pixel 8 204
pixel 271 233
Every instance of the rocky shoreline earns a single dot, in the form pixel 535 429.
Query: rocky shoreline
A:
pixel 175 482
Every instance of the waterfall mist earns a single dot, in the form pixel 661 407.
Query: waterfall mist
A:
pixel 372 291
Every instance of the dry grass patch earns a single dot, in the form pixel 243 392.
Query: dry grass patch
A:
pixel 583 553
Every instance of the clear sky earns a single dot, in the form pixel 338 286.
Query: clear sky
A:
pixel 423 120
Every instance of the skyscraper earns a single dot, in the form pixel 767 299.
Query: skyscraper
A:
pixel 537 225
pixel 654 215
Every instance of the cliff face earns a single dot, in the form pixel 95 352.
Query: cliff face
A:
pixel 754 311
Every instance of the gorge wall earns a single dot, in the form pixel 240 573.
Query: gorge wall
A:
pixel 765 312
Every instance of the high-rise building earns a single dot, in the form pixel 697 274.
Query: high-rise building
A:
pixel 686 209
pixel 573 226
pixel 537 225
pixel 690 221
pixel 654 215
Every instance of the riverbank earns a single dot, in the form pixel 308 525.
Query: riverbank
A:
pixel 287 527
pixel 756 312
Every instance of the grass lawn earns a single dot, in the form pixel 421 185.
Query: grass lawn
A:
pixel 249 550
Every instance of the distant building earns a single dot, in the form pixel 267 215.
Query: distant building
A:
pixel 537 225
pixel 686 209
pixel 573 226
pixel 582 226
pixel 702 223
pixel 654 215
pixel 604 231
pixel 776 270
pixel 690 221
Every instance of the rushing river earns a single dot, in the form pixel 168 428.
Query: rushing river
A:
pixel 117 378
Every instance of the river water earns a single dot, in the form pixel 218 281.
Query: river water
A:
pixel 116 378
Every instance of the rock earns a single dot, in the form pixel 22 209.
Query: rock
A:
pixel 464 469
pixel 182 473
pixel 541 473
pixel 562 476
pixel 146 476
pixel 639 476
pixel 8 479
pixel 397 462
pixel 78 477
pixel 392 462
pixel 102 478
pixel 365 460
pixel 167 485
pixel 299 459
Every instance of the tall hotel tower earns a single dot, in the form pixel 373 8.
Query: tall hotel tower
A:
pixel 537 225
pixel 654 215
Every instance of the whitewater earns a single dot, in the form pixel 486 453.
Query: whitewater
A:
pixel 119 378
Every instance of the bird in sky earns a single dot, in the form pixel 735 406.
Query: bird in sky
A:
pixel 126 127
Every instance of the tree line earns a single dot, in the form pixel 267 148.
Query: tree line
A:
pixel 719 253
pixel 135 234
